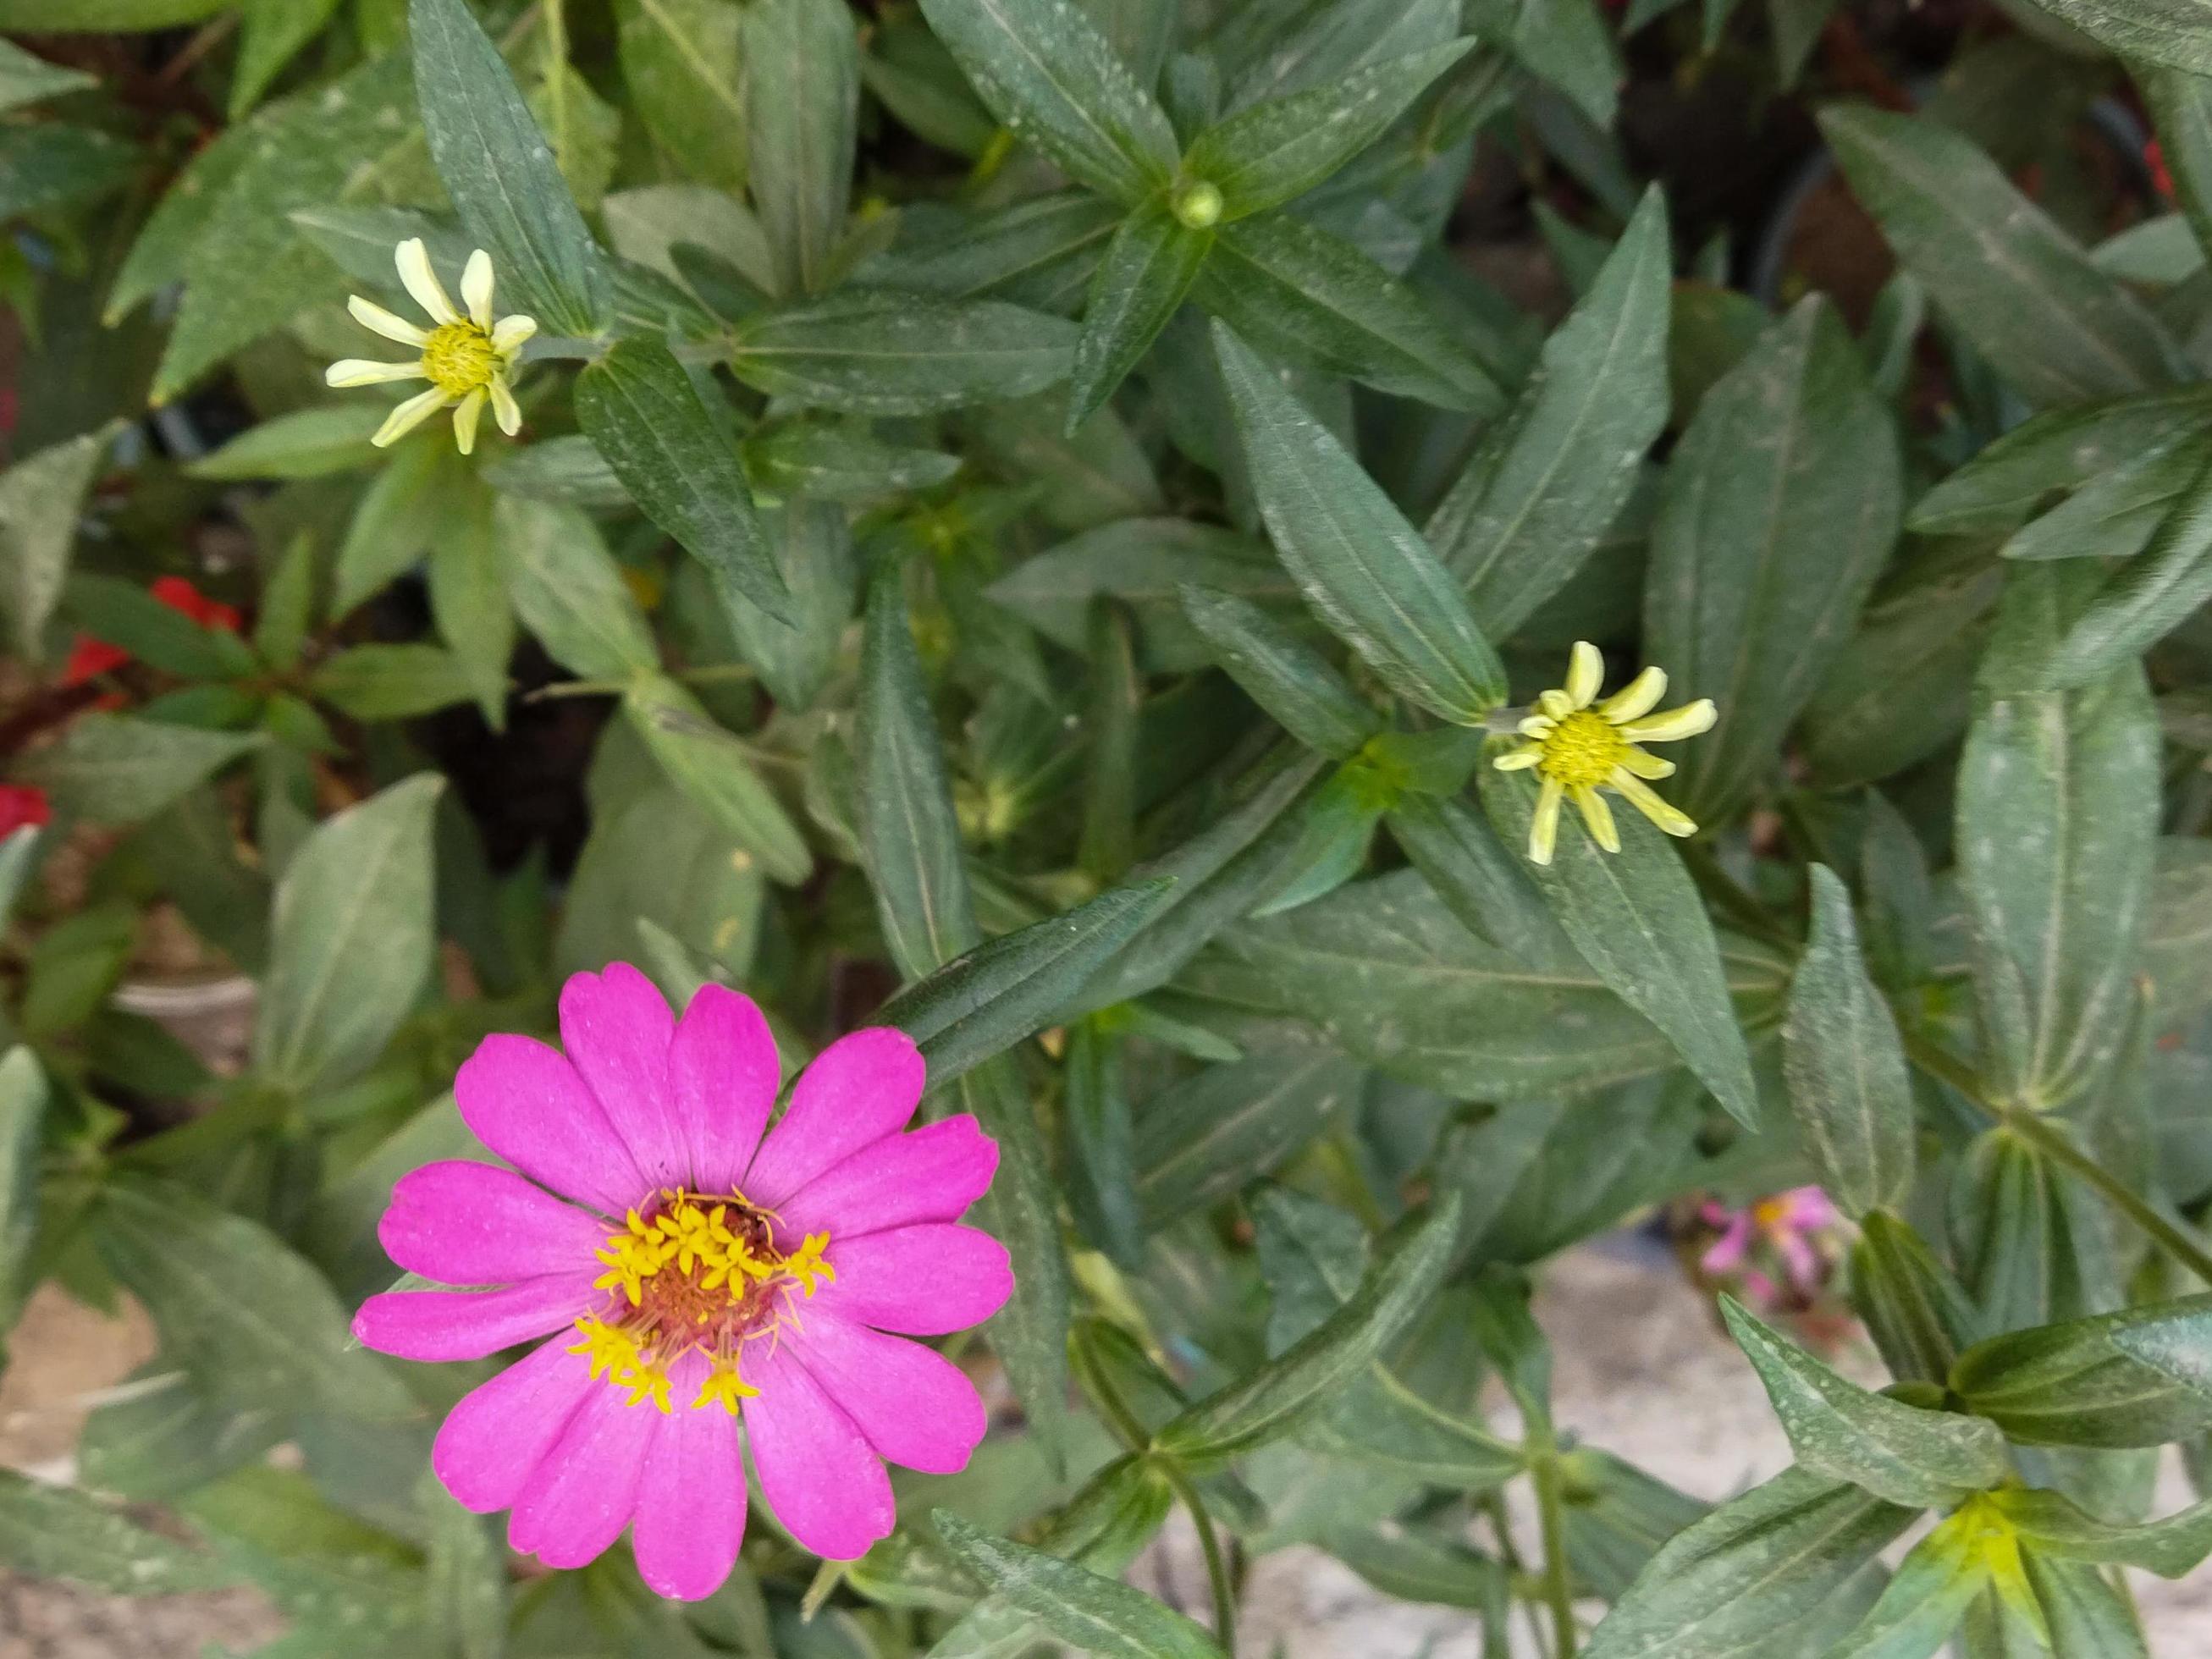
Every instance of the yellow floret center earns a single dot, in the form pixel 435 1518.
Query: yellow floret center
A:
pixel 459 358
pixel 694 1274
pixel 1582 750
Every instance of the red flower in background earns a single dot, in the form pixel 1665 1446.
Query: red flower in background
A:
pixel 22 806
pixel 89 658
pixel 2160 176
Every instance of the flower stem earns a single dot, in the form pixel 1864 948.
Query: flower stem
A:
pixel 1558 1592
pixel 1217 1564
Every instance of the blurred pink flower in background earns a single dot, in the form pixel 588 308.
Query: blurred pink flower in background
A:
pixel 1787 1228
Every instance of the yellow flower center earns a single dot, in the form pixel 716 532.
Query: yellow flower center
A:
pixel 1582 750
pixel 700 1273
pixel 459 358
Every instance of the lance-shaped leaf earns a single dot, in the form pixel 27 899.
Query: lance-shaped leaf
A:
pixel 58 1531
pixel 1362 566
pixel 350 941
pixel 1282 673
pixel 1114 719
pixel 2181 108
pixel 23 1114
pixel 1207 1137
pixel 909 835
pixel 116 768
pixel 1919 1316
pixel 1779 507
pixel 2148 597
pixel 2009 279
pixel 715 772
pixel 1101 1139
pixel 2116 514
pixel 1931 1589
pixel 1286 1391
pixel 1549 480
pixel 1046 72
pixel 892 353
pixel 2141 1377
pixel 2084 1614
pixel 2169 32
pixel 1896 1451
pixel 1035 252
pixel 1273 152
pixel 1845 1065
pixel 640 410
pixel 2054 1524
pixel 570 593
pixel 2031 1243
pixel 39 497
pixel 1635 917
pixel 802 91
pixel 1731 1586
pixel 1089 1612
pixel 1482 882
pixel 1299 294
pixel 1148 267
pixel 500 172
pixel 1011 987
pixel 2057 813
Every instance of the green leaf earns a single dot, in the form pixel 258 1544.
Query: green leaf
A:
pixel 469 585
pixel 1092 1613
pixel 1101 1145
pixel 40 496
pixel 1363 569
pixel 1845 1064
pixel 307 443
pixel 467 1592
pixel 1046 72
pixel 1924 1459
pixel 57 1532
pixel 814 550
pixel 2141 1377
pixel 1635 917
pixel 1410 1566
pixel 2181 106
pixel 23 1116
pixel 1550 479
pixel 252 1322
pixel 1919 1317
pixel 2087 1617
pixel 643 414
pixel 2008 278
pixel 1114 719
pixel 683 62
pixel 49 167
pixel 893 354
pixel 1148 267
pixel 2056 826
pixel 1203 1138
pixel 1482 883
pixel 909 835
pixel 2029 1243
pixel 1778 509
pixel 1280 673
pixel 127 614
pixel 2116 514
pixel 714 769
pixel 1926 1597
pixel 2168 31
pixel 570 470
pixel 1731 1586
pixel 802 88
pixel 114 768
pixel 1281 1394
pixel 841 462
pixel 25 79
pixel 273 32
pixel 2053 1524
pixel 1010 988
pixel 500 173
pixel 1271 153
pixel 570 593
pixel 1295 292
pixel 390 682
pixel 2147 598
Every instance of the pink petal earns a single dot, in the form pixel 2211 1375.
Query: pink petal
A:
pixel 471 1224
pixel 583 1492
pixel 473 1324
pixel 693 1517
pixel 492 1442
pixel 722 1079
pixel 860 1089
pixel 526 1101
pixel 924 1280
pixel 816 1471
pixel 931 1174
pixel 912 1403
pixel 1801 1260
pixel 616 1028
pixel 1727 1252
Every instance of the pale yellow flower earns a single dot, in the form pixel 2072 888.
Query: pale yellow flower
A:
pixel 465 355
pixel 1577 750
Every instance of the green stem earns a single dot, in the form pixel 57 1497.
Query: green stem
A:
pixel 1558 1592
pixel 2054 1144
pixel 1217 1564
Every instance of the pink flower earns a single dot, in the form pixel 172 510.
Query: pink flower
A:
pixel 1787 1225
pixel 754 1277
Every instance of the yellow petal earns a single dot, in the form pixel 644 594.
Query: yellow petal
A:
pixel 476 289
pixel 508 334
pixel 1558 704
pixel 414 262
pixel 1640 697
pixel 1515 760
pixel 1538 726
pixel 1647 766
pixel 1686 721
pixel 1544 828
pixel 508 414
pixel 1599 817
pixel 1645 799
pixel 1585 673
pixel 465 416
pixel 408 416
pixel 363 371
pixel 370 314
